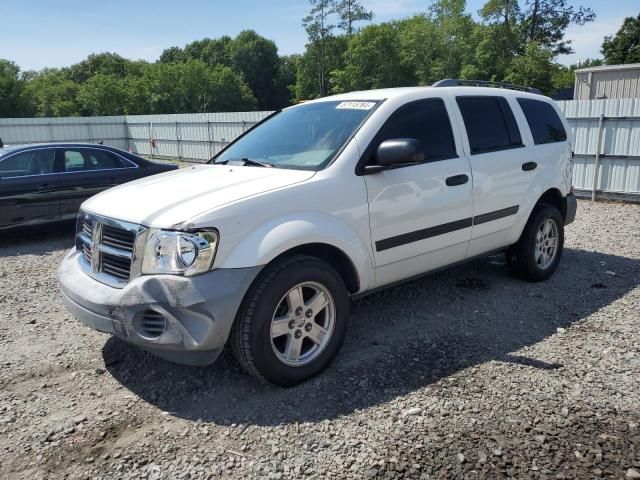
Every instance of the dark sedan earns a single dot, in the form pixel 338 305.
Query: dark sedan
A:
pixel 46 183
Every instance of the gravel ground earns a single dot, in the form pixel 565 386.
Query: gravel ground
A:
pixel 467 373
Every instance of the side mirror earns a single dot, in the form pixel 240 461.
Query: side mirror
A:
pixel 396 152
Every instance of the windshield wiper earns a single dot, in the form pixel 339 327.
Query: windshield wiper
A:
pixel 249 161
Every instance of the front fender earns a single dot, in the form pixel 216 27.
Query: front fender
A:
pixel 284 233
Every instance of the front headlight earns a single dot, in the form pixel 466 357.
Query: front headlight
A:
pixel 179 253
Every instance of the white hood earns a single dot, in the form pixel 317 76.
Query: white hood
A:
pixel 170 199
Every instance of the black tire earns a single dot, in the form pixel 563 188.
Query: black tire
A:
pixel 251 333
pixel 521 257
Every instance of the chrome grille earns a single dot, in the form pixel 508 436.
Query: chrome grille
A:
pixel 108 248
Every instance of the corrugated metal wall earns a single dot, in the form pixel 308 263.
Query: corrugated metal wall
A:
pixel 619 170
pixel 607 84
pixel 197 137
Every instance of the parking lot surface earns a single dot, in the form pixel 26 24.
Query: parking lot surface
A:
pixel 467 373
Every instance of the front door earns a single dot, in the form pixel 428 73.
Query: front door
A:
pixel 420 215
pixel 28 193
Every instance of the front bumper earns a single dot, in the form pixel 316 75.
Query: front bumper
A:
pixel 198 310
pixel 572 207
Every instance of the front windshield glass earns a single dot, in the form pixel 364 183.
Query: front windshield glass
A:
pixel 303 137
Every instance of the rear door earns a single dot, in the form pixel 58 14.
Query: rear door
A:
pixel 420 215
pixel 499 162
pixel 86 172
pixel 28 193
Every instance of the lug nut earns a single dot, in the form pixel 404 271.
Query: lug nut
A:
pixel 298 334
pixel 308 313
pixel 307 327
pixel 292 324
pixel 298 311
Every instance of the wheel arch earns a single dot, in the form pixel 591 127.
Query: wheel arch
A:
pixel 311 233
pixel 554 198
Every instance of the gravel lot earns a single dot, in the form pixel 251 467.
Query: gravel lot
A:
pixel 467 373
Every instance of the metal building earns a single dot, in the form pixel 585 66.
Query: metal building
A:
pixel 608 82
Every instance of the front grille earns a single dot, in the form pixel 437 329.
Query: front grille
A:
pixel 107 248
pixel 118 238
pixel 117 266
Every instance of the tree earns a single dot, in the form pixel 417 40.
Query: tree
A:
pixel 533 69
pixel 624 47
pixel 307 71
pixel 256 59
pixel 319 29
pixel 545 22
pixel 51 93
pixel 103 94
pixel 371 50
pixel 350 12
pixel 104 63
pixel 11 87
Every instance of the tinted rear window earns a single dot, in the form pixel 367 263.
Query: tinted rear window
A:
pixel 490 124
pixel 544 122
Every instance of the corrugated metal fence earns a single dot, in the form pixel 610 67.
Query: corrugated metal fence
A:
pixel 607 141
pixel 190 137
pixel 607 138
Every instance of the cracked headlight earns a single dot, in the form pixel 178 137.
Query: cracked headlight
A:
pixel 179 253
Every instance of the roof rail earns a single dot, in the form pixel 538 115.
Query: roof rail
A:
pixel 454 82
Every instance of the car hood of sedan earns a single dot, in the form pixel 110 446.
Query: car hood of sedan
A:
pixel 170 199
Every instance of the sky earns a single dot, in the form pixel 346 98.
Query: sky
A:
pixel 56 33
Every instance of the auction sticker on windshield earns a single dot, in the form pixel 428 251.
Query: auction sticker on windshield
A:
pixel 356 105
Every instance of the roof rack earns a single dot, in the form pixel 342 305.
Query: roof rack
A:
pixel 453 82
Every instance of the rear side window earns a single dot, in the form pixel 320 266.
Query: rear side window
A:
pixel 490 124
pixel 88 159
pixel 424 120
pixel 544 122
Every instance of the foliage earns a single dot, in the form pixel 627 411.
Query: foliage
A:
pixel 624 47
pixel 518 41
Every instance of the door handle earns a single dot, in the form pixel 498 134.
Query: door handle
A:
pixel 529 166
pixel 457 180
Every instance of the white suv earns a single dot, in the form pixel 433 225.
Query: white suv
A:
pixel 321 202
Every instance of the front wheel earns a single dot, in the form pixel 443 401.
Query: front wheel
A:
pixel 292 322
pixel 538 251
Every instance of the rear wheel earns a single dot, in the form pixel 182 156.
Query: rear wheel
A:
pixel 292 321
pixel 538 251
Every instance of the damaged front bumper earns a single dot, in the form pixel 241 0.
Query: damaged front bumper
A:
pixel 182 319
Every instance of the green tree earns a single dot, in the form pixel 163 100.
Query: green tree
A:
pixel 545 22
pixel 533 69
pixel 371 51
pixel 11 87
pixel 103 94
pixel 319 29
pixel 350 12
pixel 256 59
pixel 51 93
pixel 624 46
pixel 100 63
pixel 308 72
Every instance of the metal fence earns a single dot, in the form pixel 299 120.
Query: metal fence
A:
pixel 607 147
pixel 189 137
pixel 606 132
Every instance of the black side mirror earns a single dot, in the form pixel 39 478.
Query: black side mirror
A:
pixel 397 152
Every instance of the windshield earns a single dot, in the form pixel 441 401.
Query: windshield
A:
pixel 305 137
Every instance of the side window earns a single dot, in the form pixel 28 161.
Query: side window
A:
pixel 88 159
pixel 35 162
pixel 100 160
pixel 544 122
pixel 424 120
pixel 73 161
pixel 490 124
